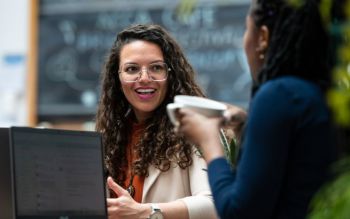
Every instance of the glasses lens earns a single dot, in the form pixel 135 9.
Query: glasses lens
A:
pixel 130 72
pixel 157 71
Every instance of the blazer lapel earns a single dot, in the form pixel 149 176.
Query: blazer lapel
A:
pixel 149 181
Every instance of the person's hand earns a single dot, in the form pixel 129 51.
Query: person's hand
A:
pixel 202 131
pixel 235 118
pixel 124 206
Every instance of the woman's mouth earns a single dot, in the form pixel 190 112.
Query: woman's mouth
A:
pixel 145 93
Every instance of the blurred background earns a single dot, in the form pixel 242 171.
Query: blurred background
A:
pixel 52 52
pixel 13 59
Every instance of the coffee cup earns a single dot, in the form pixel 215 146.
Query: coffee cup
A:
pixel 204 106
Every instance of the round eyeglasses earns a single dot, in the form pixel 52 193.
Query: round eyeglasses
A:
pixel 131 72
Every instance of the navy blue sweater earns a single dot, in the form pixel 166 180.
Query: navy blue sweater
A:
pixel 286 152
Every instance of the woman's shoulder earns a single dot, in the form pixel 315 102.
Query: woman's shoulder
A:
pixel 291 89
pixel 292 85
pixel 289 95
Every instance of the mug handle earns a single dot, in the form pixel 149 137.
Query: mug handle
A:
pixel 171 109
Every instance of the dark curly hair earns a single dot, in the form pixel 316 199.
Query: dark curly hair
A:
pixel 299 43
pixel 159 145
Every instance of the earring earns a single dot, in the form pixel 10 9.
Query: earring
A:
pixel 261 53
pixel 262 56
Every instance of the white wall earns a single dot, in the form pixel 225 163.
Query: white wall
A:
pixel 14 21
pixel 14 26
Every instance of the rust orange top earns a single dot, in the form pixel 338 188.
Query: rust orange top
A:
pixel 136 132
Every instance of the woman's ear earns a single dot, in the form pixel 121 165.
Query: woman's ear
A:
pixel 263 41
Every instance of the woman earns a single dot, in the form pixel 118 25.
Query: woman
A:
pixel 145 69
pixel 287 143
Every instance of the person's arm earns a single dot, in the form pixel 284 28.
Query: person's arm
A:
pixel 126 207
pixel 257 183
pixel 200 204
pixel 253 191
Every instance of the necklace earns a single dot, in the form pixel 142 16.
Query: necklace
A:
pixel 131 187
pixel 136 132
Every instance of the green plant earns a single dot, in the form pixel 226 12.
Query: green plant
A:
pixel 333 200
pixel 230 147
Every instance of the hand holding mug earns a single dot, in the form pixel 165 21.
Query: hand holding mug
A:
pixel 204 106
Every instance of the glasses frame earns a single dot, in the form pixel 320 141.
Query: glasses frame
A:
pixel 141 71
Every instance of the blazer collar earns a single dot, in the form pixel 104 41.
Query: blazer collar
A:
pixel 149 181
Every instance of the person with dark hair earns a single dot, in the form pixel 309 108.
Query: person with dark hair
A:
pixel 288 138
pixel 153 172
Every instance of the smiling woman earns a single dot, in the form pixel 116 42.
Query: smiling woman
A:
pixel 143 93
pixel 154 172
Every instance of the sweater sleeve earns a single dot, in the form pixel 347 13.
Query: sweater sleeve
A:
pixel 252 191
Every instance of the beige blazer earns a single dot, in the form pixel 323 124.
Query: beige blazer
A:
pixel 189 185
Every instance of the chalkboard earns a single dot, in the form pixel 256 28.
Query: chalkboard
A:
pixel 75 36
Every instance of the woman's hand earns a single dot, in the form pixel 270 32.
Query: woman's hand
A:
pixel 235 118
pixel 202 131
pixel 125 206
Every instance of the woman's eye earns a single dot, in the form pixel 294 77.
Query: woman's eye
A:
pixel 157 68
pixel 132 69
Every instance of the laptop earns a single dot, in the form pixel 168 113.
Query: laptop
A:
pixel 6 198
pixel 57 174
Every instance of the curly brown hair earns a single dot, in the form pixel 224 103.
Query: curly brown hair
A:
pixel 159 145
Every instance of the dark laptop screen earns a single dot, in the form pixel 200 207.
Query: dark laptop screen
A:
pixel 58 173
pixel 6 199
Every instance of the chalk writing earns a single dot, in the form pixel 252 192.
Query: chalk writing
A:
pixel 73 46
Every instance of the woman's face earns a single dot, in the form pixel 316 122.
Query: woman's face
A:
pixel 143 95
pixel 251 45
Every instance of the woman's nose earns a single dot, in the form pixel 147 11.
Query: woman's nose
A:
pixel 144 75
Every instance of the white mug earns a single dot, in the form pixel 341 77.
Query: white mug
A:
pixel 204 106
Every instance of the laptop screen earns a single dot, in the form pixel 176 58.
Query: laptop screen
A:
pixel 6 210
pixel 58 173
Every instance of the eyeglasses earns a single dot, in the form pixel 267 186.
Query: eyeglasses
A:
pixel 157 71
